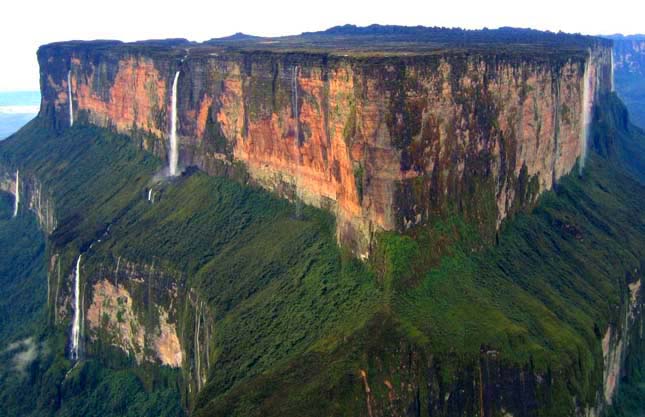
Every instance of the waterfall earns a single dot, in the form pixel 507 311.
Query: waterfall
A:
pixel 585 117
pixel 76 324
pixel 174 153
pixel 69 98
pixel 150 194
pixel 17 199
pixel 197 356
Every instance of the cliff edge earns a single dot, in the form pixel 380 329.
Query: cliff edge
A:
pixel 389 131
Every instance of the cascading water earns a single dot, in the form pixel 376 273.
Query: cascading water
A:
pixel 585 117
pixel 76 323
pixel 69 98
pixel 150 194
pixel 173 158
pixel 16 203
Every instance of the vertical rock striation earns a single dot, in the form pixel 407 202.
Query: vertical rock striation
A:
pixel 32 196
pixel 629 66
pixel 385 143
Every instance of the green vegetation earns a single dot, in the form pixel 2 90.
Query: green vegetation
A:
pixel 34 375
pixel 539 299
pixel 298 327
pixel 629 401
pixel 22 273
pixel 92 176
pixel 276 284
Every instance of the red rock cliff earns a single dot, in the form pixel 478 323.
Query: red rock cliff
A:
pixel 386 143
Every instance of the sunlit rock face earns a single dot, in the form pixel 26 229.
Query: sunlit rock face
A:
pixel 385 143
pixel 134 307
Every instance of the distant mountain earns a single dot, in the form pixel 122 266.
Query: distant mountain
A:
pixel 239 36
pixel 619 36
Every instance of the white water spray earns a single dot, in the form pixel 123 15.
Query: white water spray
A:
pixel 585 117
pixel 150 194
pixel 76 324
pixel 17 200
pixel 173 159
pixel 69 98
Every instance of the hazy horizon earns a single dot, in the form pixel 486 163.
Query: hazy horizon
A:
pixel 16 109
pixel 130 21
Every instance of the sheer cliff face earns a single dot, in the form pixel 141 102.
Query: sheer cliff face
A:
pixel 629 65
pixel 629 56
pixel 384 143
pixel 33 197
pixel 132 306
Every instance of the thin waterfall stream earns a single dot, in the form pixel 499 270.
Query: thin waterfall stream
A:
pixel 173 158
pixel 16 203
pixel 69 98
pixel 76 322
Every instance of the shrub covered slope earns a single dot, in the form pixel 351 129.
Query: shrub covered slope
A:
pixel 436 323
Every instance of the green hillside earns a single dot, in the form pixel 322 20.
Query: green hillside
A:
pixel 435 323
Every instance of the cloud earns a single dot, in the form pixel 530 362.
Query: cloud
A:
pixel 26 352
pixel 19 109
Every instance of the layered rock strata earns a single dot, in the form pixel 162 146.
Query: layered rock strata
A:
pixel 385 143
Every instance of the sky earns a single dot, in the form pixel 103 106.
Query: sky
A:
pixel 26 24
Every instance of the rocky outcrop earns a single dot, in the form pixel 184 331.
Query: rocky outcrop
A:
pixel 488 388
pixel 143 310
pixel 126 305
pixel 33 197
pixel 199 336
pixel 386 143
pixel 616 341
pixel 111 310
pixel 629 66
pixel 629 55
pixel 135 308
pixel 403 379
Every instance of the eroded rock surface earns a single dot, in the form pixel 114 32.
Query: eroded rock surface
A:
pixel 384 143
